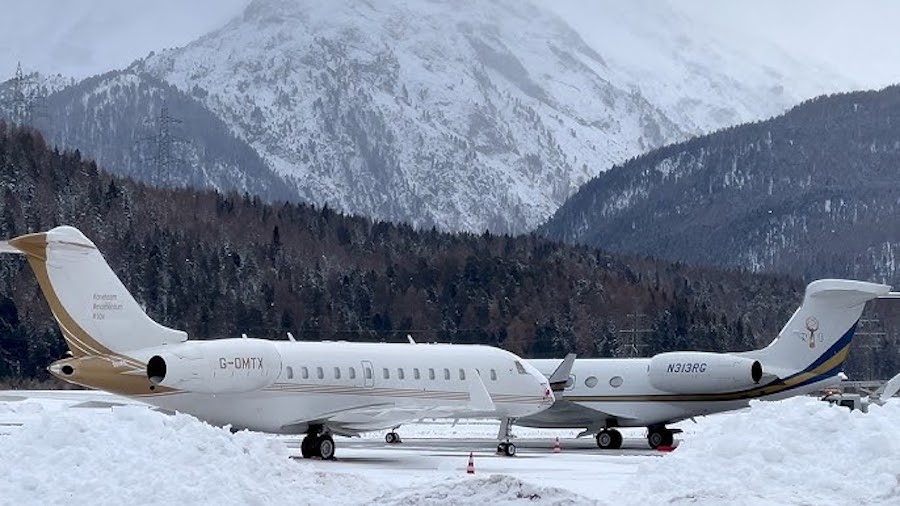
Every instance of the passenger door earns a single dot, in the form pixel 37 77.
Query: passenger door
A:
pixel 368 372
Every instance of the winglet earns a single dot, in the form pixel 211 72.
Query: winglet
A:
pixel 479 397
pixel 291 337
pixel 560 376
pixel 888 390
pixel 411 340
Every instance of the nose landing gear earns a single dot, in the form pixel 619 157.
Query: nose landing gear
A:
pixel 505 447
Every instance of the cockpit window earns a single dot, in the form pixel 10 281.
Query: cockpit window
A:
pixel 520 368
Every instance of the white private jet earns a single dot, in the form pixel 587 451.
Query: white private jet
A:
pixel 316 388
pixel 806 356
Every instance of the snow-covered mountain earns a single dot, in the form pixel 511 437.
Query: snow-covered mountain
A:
pixel 465 115
pixel 116 119
pixel 469 115
pixel 702 73
pixel 813 193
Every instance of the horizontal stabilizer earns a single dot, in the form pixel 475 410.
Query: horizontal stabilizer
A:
pixel 5 247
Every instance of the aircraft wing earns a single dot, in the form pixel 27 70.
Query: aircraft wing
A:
pixel 384 415
pixel 565 414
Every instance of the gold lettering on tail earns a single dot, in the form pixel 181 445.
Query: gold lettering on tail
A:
pixel 105 303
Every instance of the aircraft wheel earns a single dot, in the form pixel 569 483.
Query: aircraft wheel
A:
pixel 392 438
pixel 660 436
pixel 325 447
pixel 510 450
pixel 609 439
pixel 307 449
pixel 617 438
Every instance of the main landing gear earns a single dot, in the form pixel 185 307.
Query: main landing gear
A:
pixel 505 447
pixel 609 439
pixel 392 437
pixel 659 435
pixel 317 443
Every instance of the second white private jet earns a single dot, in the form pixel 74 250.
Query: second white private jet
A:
pixel 806 356
pixel 316 388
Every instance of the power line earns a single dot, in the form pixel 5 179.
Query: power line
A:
pixel 23 99
pixel 631 342
pixel 164 142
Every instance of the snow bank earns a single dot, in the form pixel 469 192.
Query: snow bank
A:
pixel 132 455
pixel 798 451
pixel 497 490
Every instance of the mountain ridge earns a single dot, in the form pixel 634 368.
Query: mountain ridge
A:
pixel 812 192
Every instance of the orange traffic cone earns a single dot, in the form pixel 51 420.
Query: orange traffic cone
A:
pixel 556 447
pixel 470 469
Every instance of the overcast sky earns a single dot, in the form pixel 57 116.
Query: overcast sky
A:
pixel 80 38
pixel 85 37
pixel 859 39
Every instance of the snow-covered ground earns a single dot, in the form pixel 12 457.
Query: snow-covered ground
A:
pixel 799 451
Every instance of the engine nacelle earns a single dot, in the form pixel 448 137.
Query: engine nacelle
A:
pixel 686 372
pixel 216 367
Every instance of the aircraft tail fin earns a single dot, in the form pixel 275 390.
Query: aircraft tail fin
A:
pixel 95 312
pixel 816 339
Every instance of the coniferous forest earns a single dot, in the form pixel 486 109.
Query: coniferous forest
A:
pixel 218 265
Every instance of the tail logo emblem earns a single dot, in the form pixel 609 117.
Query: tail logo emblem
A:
pixel 812 325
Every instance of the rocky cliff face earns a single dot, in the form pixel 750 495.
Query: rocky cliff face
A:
pixel 462 115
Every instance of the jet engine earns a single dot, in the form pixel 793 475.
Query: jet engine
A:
pixel 216 367
pixel 702 373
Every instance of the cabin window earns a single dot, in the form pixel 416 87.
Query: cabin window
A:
pixel 570 383
pixel 337 373
pixel 520 367
pixel 400 374
pixel 416 374
pixel 430 373
pixel 290 372
pixel 590 382
pixel 446 373
pixel 304 372
pixel 320 373
pixel 462 375
pixel 368 373
pixel 352 372
pixel 615 381
pixel 493 375
pixel 387 373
